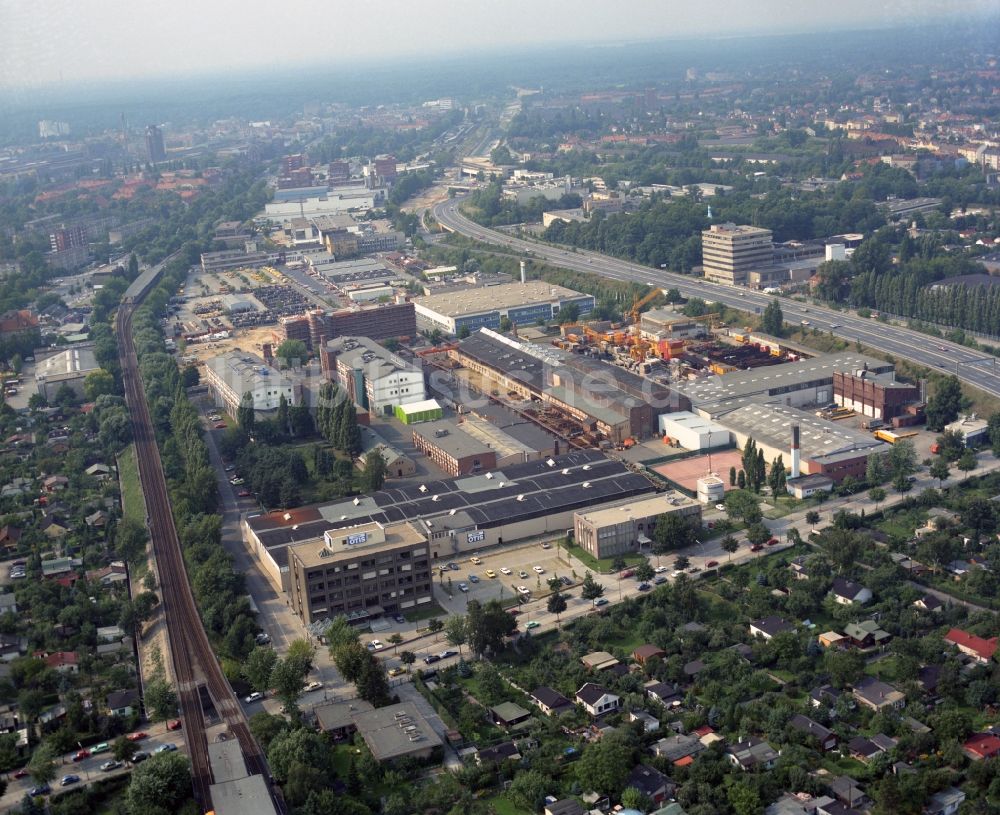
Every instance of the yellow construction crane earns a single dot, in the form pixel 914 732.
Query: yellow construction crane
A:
pixel 633 313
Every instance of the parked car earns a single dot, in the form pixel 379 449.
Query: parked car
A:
pixel 627 573
pixel 644 587
pixel 67 780
pixel 546 545
pixel 473 578
pixel 476 559
pixel 659 580
pixel 532 624
pixel 538 570
pixel 262 638
pixel 453 566
pixel 505 570
pixel 600 601
pixel 139 757
pixel 219 425
pixel 448 653
pixel 256 696
pixel 137 736
pixel 399 618
pixel 490 573
pixel 566 581
pixel 314 685
pixel 174 724
pixel 22 773
pixel 41 789
pixel 772 541
pixel 720 507
pixel 430 659
pixel 756 547
pixel 462 587
pixel 244 493
pixel 108 766
pixel 80 755
pixel 376 645
pixel 169 747
pixel 711 564
pixel 397 671
pixel 522 574
pixel 523 590
pixel 660 569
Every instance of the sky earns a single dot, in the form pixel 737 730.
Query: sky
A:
pixel 53 41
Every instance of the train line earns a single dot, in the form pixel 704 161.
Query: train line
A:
pixel 194 662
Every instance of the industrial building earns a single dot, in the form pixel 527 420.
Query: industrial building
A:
pixel 973 430
pixel 802 383
pixel 376 322
pixel 232 375
pixel 665 323
pixel 876 396
pixel 615 530
pixel 604 398
pixel 361 572
pixel 227 259
pixel 452 449
pixel 729 252
pixel 375 378
pixel 522 303
pixel 416 412
pixel 825 448
pixel 397 463
pixel 692 432
pixel 458 515
pixel 69 368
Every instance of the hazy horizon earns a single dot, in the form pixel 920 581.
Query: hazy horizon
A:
pixel 91 42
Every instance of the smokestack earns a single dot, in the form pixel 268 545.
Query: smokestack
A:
pixel 795 451
pixel 524 276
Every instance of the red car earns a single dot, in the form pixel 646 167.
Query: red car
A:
pixel 22 773
pixel 137 736
pixel 627 573
pixel 772 542
pixel 244 493
pixel 174 725
pixel 756 547
pixel 711 564
pixel 80 755
pixel 220 425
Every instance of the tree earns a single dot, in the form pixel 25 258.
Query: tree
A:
pixel 160 699
pixel 876 495
pixel 758 534
pixel 744 799
pixel 590 588
pixel 944 406
pixel 681 562
pixel 292 352
pixel 407 658
pixel 98 383
pixel 486 626
pixel 339 633
pixel 301 653
pixel 776 477
pixel 732 476
pixel 556 604
pixel 743 505
pixel 605 765
pixel 123 749
pixel 967 463
pixel 456 631
pixel 812 517
pixel 875 469
pixel 730 545
pixel 902 459
pixel 395 640
pixel 42 765
pixel 373 684
pixel 633 798
pixel 434 625
pixel 672 532
pixel 772 320
pixel 644 572
pixel 528 789
pixel 375 470
pixel 245 413
pixel 287 679
pixel 160 785
pixel 258 667
pixel 296 746
pixel 939 469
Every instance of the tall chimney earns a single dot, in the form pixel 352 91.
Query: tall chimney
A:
pixel 524 276
pixel 795 451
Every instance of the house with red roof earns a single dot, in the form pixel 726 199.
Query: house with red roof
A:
pixel 980 746
pixel 61 661
pixel 980 649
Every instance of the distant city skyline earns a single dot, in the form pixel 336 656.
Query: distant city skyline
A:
pixel 95 40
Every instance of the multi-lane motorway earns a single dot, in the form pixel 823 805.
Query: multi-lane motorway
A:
pixel 971 367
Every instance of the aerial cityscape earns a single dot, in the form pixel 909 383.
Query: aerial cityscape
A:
pixel 512 410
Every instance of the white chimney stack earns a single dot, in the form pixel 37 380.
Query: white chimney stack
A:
pixel 524 276
pixel 795 451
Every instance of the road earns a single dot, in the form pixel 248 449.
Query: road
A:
pixel 971 367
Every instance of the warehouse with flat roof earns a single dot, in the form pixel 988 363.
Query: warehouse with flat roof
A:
pixel 521 303
pixel 460 514
pixel 616 530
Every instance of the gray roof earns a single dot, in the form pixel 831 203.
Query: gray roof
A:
pixel 388 734
pixel 477 500
pixel 591 693
pixel 450 437
pixel 364 354
pixel 242 796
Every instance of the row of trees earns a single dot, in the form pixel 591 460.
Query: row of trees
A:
pixel 337 419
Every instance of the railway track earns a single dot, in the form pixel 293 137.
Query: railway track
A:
pixel 194 662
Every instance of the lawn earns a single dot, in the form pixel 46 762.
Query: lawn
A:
pixel 603 565
pixel 425 612
pixel 134 506
pixel 504 806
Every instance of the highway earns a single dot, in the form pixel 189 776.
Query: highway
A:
pixel 972 367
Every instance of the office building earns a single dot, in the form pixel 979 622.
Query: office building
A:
pixel 520 303
pixel 233 259
pixel 377 322
pixel 618 529
pixel 68 237
pixel 361 572
pixel 375 378
pixel 232 375
pixel 729 252
pixel 155 150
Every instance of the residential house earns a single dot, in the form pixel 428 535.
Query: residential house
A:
pixel 866 634
pixel 97 520
pixel 831 639
pixel 597 700
pixel 8 603
pixel 10 536
pixel 928 603
pixel 505 751
pixel 55 567
pixel 644 652
pixel 12 646
pixel 825 737
pixel 980 649
pixel 112 574
pixel 799 567
pixel 928 677
pixel 110 633
pixel 846 790
pixel 664 693
pixel 53 527
pixel 598 661
pixel 945 802
pixel 650 724
pixel 64 662
pixel 651 783
pixel 863 749
pixel 751 754
pixel 16 488
pixel 769 627
pixel 847 592
pixel 677 747
pixel 980 746
pixel 878 695
pixel 123 702
pixel 508 714
pixel 567 806
pixel 102 472
pixel 550 702
pixel 55 483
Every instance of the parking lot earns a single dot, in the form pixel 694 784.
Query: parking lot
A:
pixel 518 560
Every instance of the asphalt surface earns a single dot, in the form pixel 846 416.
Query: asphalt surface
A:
pixel 972 367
